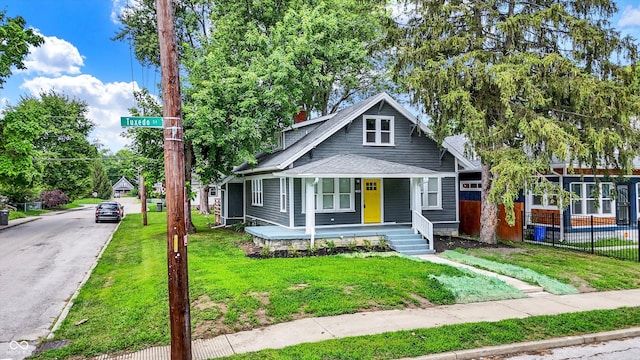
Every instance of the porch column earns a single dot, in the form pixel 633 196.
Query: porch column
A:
pixel 415 198
pixel 310 208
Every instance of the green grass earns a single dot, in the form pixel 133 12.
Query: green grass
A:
pixel 601 243
pixel 88 201
pixel 446 338
pixel 581 270
pixel 125 300
pixel 549 284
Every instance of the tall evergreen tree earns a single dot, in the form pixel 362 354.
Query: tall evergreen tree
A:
pixel 527 82
pixel 101 184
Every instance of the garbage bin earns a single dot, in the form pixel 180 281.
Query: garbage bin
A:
pixel 539 233
pixel 4 217
pixel 159 207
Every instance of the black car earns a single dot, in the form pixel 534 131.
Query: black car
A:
pixel 109 211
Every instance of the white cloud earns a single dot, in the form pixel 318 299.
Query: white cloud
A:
pixel 117 9
pixel 630 17
pixel 54 57
pixel 107 102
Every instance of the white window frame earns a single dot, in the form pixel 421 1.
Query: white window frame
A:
pixel 283 195
pixel 584 199
pixel 213 191
pixel 378 130
pixel 257 195
pixel 336 197
pixel 471 185
pixel 545 202
pixel 424 194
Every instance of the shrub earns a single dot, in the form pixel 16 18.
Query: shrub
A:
pixel 53 198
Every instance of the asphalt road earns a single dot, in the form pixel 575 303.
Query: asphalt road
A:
pixel 42 263
pixel 625 349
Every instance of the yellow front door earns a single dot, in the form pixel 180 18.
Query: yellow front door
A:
pixel 371 199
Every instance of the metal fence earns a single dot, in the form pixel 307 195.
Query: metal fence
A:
pixel 595 235
pixel 36 205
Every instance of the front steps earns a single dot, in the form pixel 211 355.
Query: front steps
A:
pixel 406 242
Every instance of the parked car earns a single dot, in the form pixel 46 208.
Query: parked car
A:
pixel 109 211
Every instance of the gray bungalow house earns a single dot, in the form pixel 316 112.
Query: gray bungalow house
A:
pixel 122 187
pixel 365 172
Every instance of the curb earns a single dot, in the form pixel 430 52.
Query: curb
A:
pixel 528 346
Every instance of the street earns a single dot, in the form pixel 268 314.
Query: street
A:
pixel 624 349
pixel 42 263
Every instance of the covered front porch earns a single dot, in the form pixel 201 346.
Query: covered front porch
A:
pixel 400 237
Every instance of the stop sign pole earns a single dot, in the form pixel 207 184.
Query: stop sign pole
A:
pixel 179 312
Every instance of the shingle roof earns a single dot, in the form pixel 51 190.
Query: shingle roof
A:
pixel 355 165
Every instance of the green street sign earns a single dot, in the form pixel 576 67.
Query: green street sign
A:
pixel 144 121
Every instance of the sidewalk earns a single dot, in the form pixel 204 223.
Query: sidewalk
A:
pixel 368 323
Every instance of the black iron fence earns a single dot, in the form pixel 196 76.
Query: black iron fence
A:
pixel 592 234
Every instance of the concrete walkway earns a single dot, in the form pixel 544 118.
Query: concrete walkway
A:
pixel 367 323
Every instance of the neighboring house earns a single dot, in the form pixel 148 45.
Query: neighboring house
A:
pixel 595 208
pixel 122 187
pixel 366 171
pixel 213 194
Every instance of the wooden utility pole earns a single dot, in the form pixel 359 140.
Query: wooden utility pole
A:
pixel 179 312
pixel 143 199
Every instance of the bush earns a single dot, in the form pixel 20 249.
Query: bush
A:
pixel 53 198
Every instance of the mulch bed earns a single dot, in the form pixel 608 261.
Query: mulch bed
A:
pixel 444 243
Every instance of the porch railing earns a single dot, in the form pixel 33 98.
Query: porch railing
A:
pixel 423 226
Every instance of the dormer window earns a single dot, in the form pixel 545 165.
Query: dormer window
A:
pixel 378 130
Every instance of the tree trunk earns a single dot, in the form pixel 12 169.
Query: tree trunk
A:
pixel 204 199
pixel 489 211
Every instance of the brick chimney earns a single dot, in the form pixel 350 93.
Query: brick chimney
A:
pixel 301 116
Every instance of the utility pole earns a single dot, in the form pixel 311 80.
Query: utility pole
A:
pixel 143 199
pixel 179 312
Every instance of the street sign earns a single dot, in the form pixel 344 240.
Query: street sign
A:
pixel 143 121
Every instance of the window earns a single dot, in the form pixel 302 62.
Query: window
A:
pixel 213 191
pixel 283 195
pixel 333 195
pixel 543 201
pixel 431 193
pixel 256 192
pixel 378 130
pixel 587 203
pixel 471 185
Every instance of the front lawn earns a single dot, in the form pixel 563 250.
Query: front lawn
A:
pixel 124 305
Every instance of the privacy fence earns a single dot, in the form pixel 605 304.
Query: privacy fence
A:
pixel 595 235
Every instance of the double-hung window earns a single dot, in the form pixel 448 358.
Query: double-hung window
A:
pixel 333 195
pixel 588 202
pixel 432 193
pixel 378 130
pixel 256 192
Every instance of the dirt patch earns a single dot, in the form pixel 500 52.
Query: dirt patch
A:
pixel 444 243
pixel 580 284
pixel 422 302
pixel 297 287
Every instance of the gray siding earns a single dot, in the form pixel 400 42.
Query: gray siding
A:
pixel 270 200
pixel 411 148
pixel 397 205
pixel 448 212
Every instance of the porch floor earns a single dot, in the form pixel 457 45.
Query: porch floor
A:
pixel 282 233
pixel 400 238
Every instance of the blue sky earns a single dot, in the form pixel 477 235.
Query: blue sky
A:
pixel 80 60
